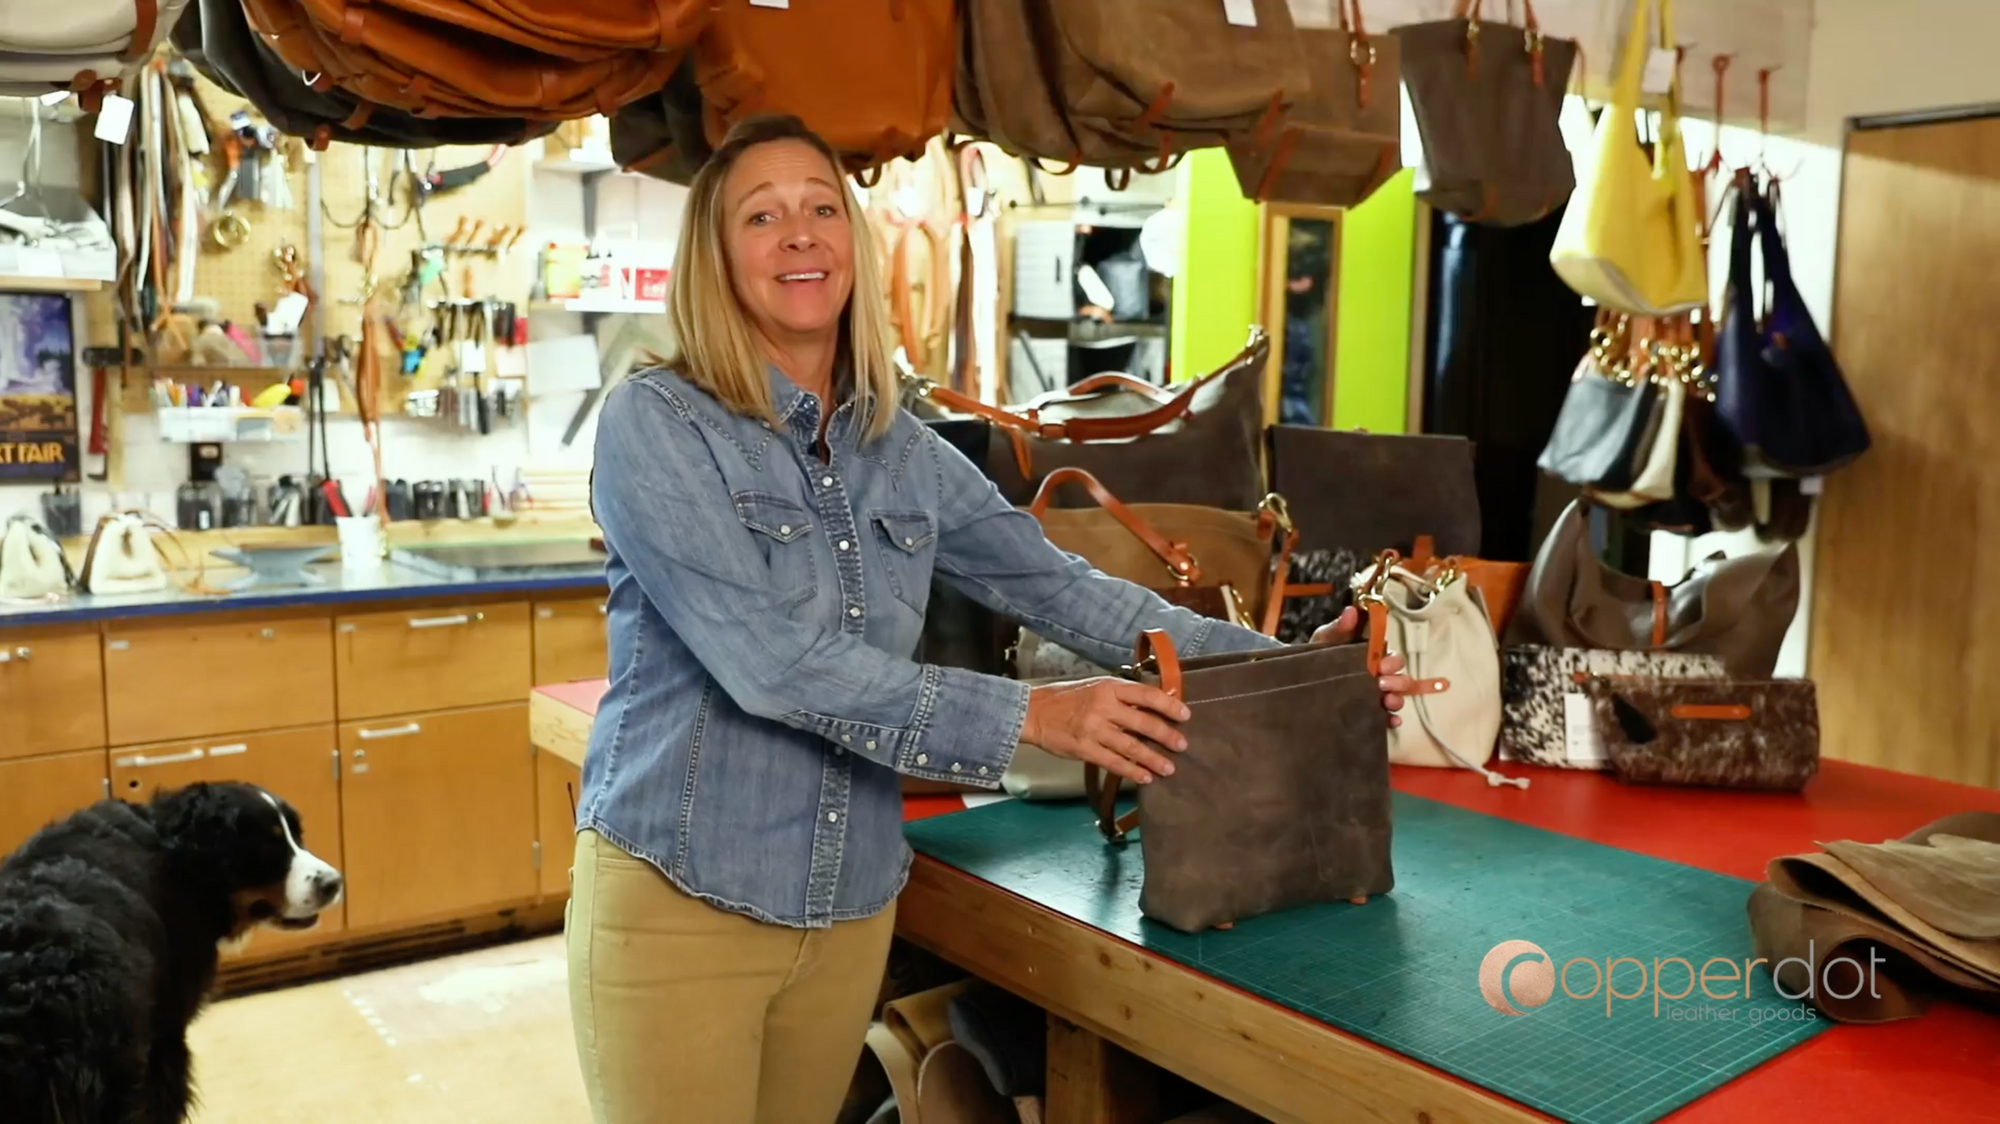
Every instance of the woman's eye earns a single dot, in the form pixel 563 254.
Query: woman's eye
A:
pixel 828 210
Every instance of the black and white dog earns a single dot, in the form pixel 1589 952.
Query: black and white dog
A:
pixel 111 926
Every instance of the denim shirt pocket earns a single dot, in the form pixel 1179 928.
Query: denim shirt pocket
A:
pixel 907 542
pixel 785 530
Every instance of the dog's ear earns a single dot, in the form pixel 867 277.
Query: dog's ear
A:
pixel 198 822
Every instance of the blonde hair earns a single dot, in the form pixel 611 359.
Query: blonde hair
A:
pixel 715 347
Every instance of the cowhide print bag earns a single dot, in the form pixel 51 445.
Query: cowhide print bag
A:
pixel 1715 733
pixel 1537 683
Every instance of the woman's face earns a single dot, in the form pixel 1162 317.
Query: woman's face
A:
pixel 791 254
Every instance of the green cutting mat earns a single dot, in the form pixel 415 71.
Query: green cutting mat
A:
pixel 1403 970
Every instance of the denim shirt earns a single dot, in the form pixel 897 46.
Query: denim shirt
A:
pixel 765 607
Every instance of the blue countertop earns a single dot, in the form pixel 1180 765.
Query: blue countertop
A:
pixel 389 582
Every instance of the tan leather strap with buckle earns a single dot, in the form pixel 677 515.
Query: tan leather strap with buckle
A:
pixel 1179 562
pixel 1274 521
pixel 1156 645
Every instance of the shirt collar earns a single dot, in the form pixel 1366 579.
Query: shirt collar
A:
pixel 795 407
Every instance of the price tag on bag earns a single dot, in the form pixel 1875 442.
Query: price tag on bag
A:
pixel 114 119
pixel 1658 77
pixel 1581 745
pixel 1242 13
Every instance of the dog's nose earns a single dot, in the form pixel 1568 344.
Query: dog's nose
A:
pixel 326 887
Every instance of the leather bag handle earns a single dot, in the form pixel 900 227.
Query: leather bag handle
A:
pixel 1155 644
pixel 1179 562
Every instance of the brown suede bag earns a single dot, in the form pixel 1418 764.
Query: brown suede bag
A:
pixel 872 77
pixel 1223 564
pixel 1197 442
pixel 1343 138
pixel 474 58
pixel 1282 798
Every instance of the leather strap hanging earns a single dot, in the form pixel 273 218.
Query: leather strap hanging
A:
pixel 1175 556
pixel 1156 646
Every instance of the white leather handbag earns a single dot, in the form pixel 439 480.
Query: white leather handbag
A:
pixel 122 557
pixel 33 566
pixel 80 45
pixel 1440 627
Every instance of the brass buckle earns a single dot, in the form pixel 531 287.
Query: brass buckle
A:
pixel 1355 44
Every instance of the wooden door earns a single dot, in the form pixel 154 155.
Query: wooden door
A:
pixel 169 680
pixel 37 791
pixel 570 641
pixel 438 814
pixel 51 690
pixel 433 658
pixel 1906 610
pixel 557 786
pixel 297 765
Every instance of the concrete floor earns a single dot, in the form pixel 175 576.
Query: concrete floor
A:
pixel 479 1038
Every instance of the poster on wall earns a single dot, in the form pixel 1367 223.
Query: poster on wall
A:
pixel 37 388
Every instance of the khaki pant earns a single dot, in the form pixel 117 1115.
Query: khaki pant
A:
pixel 686 1012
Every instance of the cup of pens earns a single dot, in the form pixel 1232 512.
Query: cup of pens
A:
pixel 361 543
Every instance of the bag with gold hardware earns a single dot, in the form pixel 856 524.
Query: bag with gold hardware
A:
pixel 1487 96
pixel 1438 624
pixel 1631 239
pixel 1343 138
pixel 1612 413
pixel 1282 799
pixel 1721 733
pixel 33 566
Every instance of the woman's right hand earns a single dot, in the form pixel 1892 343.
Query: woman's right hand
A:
pixel 1101 721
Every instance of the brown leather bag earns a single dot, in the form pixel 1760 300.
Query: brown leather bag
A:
pixel 872 77
pixel 1196 442
pixel 1487 97
pixel 476 58
pixel 1500 584
pixel 1122 84
pixel 1718 733
pixel 1343 137
pixel 1223 564
pixel 1282 798
pixel 1736 609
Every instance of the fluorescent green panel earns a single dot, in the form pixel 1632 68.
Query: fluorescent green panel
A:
pixel 1377 282
pixel 1215 296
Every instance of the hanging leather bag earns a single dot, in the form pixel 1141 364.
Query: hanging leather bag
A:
pixel 33 566
pixel 1612 413
pixel 1631 238
pixel 662 135
pixel 871 77
pixel 1123 84
pixel 1282 798
pixel 1737 609
pixel 1778 388
pixel 1440 628
pixel 87 47
pixel 216 40
pixel 1487 98
pixel 1196 442
pixel 476 58
pixel 1343 138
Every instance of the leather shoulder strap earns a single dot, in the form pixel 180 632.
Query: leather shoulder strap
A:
pixel 1178 561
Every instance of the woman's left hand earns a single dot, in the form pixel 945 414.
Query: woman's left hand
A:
pixel 1394 684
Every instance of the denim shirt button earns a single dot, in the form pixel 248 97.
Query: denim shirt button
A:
pixel 826 481
pixel 923 758
pixel 954 766
pixel 844 544
pixel 854 610
pixel 871 743
pixel 982 770
pixel 847 738
pixel 833 817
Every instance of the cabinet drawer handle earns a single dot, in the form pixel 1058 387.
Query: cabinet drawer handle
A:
pixel 21 654
pixel 228 750
pixel 446 622
pixel 604 609
pixel 390 732
pixel 141 761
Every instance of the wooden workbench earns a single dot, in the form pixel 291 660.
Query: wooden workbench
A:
pixel 1289 1066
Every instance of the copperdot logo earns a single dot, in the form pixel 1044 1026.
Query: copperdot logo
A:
pixel 1516 972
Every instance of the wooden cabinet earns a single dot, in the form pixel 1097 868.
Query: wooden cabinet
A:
pixel 438 813
pixel 569 640
pixel 36 791
pixel 298 765
pixel 432 659
pixel 558 784
pixel 51 691
pixel 169 680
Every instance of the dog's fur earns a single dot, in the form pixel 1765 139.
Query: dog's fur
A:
pixel 111 926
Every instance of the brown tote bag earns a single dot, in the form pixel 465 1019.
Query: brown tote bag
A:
pixel 1343 138
pixel 1228 565
pixel 1282 798
pixel 1487 97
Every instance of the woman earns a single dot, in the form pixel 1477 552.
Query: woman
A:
pixel 773 521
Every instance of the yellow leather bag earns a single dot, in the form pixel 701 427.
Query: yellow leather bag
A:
pixel 1631 239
